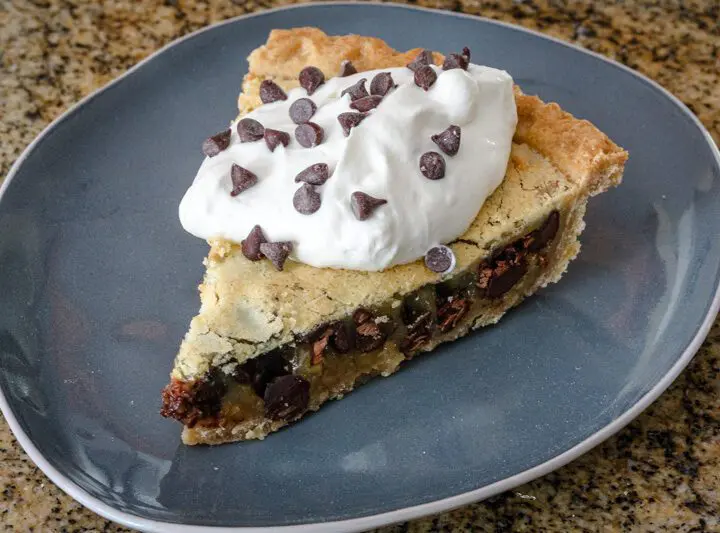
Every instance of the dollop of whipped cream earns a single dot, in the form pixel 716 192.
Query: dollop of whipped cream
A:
pixel 380 157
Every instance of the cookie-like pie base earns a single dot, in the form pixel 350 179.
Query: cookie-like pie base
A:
pixel 522 239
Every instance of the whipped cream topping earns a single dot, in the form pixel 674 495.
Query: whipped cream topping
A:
pixel 380 157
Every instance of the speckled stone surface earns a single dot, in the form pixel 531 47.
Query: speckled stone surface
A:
pixel 662 473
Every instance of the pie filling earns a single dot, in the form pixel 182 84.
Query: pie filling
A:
pixel 284 383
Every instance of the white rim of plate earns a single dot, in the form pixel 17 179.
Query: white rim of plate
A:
pixel 407 513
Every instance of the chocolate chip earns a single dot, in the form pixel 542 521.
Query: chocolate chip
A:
pixel 273 138
pixel 319 345
pixel 347 69
pixel 192 401
pixel 240 375
pixel 336 335
pixel 499 275
pixel 539 238
pixel 276 252
pixel 369 336
pixel 422 59
pixel 216 144
pixel 250 246
pixel 316 174
pixel 420 323
pixel 366 104
pixel 451 313
pixel 440 259
pixel 286 397
pixel 425 77
pixel 302 110
pixel 341 340
pixel 271 92
pixel 311 78
pixel 356 90
pixel 241 178
pixel 456 61
pixel 418 333
pixel 309 134
pixel 369 329
pixel 504 277
pixel 381 84
pixel 413 341
pixel 432 165
pixel 414 306
pixel 360 316
pixel 349 120
pixel 250 130
pixel 363 204
pixel 306 199
pixel 265 368
pixel 449 140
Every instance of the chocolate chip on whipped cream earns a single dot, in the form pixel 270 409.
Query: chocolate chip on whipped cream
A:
pixel 381 84
pixel 271 92
pixel 306 199
pixel 379 155
pixel 276 252
pixel 316 174
pixel 457 60
pixel 250 130
pixel 242 179
pixel 440 259
pixel 432 165
pixel 212 146
pixel 422 59
pixel 250 245
pixel 366 104
pixel 448 140
pixel 425 77
pixel 273 138
pixel 310 79
pixel 302 110
pixel 309 134
pixel 347 69
pixel 349 120
pixel 357 90
pixel 363 204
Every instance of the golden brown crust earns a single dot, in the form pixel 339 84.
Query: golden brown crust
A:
pixel 287 52
pixel 576 147
pixel 248 308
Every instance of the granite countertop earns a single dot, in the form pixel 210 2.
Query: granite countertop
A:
pixel 661 473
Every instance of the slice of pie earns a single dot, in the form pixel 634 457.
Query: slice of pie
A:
pixel 301 310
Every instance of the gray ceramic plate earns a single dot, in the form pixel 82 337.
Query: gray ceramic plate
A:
pixel 98 285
